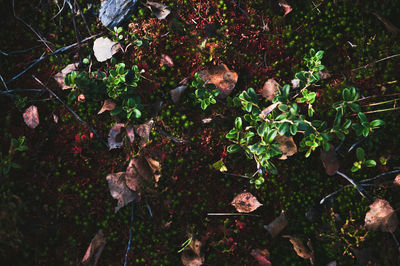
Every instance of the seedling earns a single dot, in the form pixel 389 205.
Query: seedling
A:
pixel 205 93
pixel 362 161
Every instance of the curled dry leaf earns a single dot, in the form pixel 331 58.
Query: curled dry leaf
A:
pixel 130 132
pixel 192 255
pixel 95 248
pixel 277 225
pixel 177 92
pixel 381 216
pixel 137 172
pixel 396 181
pixel 159 10
pixel 108 105
pixel 155 167
pixel 287 146
pixel 285 6
pixel 60 76
pixel 119 190
pixel 330 161
pixel 268 110
pixel 143 131
pixel 262 257
pixel 269 89
pixel 103 49
pixel 224 79
pixel 301 250
pixel 166 60
pixel 31 116
pixel 245 202
pixel 114 138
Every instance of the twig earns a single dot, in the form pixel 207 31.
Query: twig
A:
pixel 377 61
pixel 165 134
pixel 21 90
pixel 130 236
pixel 356 144
pixel 230 214
pixel 20 51
pixel 237 175
pixel 380 175
pixel 72 111
pixel 4 83
pixel 44 56
pixel 83 17
pixel 360 189
pixel 30 27
pixel 76 31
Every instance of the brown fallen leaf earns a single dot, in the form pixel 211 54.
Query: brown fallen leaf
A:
pixel 285 6
pixel 269 89
pixel 268 110
pixel 143 131
pixel 262 257
pixel 301 250
pixel 192 255
pixel 155 167
pixel 224 79
pixel 119 189
pixel 159 10
pixel 108 105
pixel 137 172
pixel 324 74
pixel 95 248
pixel 60 76
pixel 245 202
pixel 130 132
pixel 330 161
pixel 396 181
pixel 381 216
pixel 177 92
pixel 277 225
pixel 31 116
pixel 166 60
pixel 114 138
pixel 287 146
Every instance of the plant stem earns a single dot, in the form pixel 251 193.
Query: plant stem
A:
pixel 360 189
pixel 378 176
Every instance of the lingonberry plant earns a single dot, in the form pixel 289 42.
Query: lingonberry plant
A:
pixel 286 116
pixel 205 93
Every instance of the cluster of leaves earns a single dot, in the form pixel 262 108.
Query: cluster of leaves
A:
pixel 205 93
pixel 119 84
pixel 6 161
pixel 285 116
pixel 360 153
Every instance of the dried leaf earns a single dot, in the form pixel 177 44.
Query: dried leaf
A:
pixel 295 83
pixel 155 167
pixel 277 225
pixel 224 79
pixel 269 89
pixel 143 131
pixel 81 98
pixel 381 216
pixel 324 74
pixel 298 246
pixel 192 255
pixel 103 49
pixel 31 116
pixel 166 60
pixel 114 138
pixel 245 202
pixel 95 248
pixel 108 105
pixel 268 110
pixel 159 10
pixel 261 256
pixel 287 146
pixel 137 172
pixel 285 6
pixel 130 132
pixel 119 190
pixel 177 92
pixel 396 181
pixel 55 118
pixel 330 161
pixel 60 76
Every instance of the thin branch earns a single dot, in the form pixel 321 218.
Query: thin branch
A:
pixel 20 51
pixel 44 56
pixel 377 61
pixel 72 111
pixel 230 214
pixel 165 134
pixel 380 175
pixel 21 90
pixel 356 144
pixel 4 83
pixel 360 189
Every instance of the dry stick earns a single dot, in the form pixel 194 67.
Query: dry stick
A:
pixel 20 51
pixel 4 83
pixel 230 214
pixel 380 175
pixel 360 189
pixel 83 17
pixel 21 90
pixel 31 28
pixel 41 58
pixel 377 61
pixel 77 35
pixel 72 111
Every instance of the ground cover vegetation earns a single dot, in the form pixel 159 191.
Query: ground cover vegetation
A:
pixel 200 132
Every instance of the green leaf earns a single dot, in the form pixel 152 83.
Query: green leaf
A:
pixel 360 154
pixel 232 134
pixel 346 124
pixel 137 113
pixel 319 55
pixel 376 123
pixel 248 107
pixel 203 105
pixel 281 117
pixel 354 107
pixel 253 95
pixel 370 163
pixel 293 129
pixel 354 169
pixel 283 107
pixel 346 94
pixel 365 131
pixel 220 166
pixel 312 52
pixel 15 165
pixel 271 135
pixel 262 129
pixel 310 111
pixel 233 148
pixel 238 123
pixel 284 128
pixel 363 117
pixel 340 135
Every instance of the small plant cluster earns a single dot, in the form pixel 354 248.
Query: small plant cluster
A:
pixel 205 93
pixel 119 84
pixel 6 161
pixel 286 116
